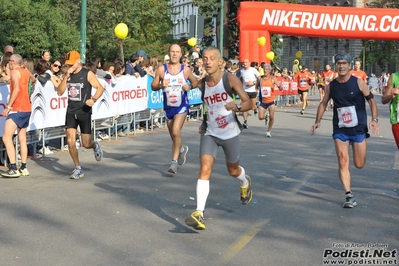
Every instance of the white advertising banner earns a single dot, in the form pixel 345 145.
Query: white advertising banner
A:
pixel 129 95
pixel 48 109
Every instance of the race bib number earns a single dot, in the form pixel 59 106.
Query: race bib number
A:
pixel 266 92
pixel 75 92
pixel 173 95
pixel 347 116
pixel 303 83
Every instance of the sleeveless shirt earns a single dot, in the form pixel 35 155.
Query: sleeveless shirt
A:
pixel 350 116
pixel 22 102
pixel 394 105
pixel 79 90
pixel 175 97
pixel 267 90
pixel 221 123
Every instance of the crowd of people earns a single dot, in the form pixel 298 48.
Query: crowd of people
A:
pixel 344 90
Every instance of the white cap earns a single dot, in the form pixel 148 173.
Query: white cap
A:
pixel 166 58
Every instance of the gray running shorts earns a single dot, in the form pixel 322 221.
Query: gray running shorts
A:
pixel 231 147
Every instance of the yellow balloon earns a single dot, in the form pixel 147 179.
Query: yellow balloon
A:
pixel 298 54
pixel 261 41
pixel 121 30
pixel 270 55
pixel 192 41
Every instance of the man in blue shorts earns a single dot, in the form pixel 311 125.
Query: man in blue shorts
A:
pixel 349 120
pixel 172 79
pixel 219 128
pixel 17 111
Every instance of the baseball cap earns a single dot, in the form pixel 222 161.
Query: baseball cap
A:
pixel 166 57
pixel 313 72
pixel 71 57
pixel 142 53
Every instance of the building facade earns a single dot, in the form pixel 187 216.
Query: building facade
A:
pixel 182 10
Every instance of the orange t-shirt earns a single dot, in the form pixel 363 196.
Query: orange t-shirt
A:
pixel 328 76
pixel 302 78
pixel 22 102
pixel 312 78
pixel 267 90
pixel 359 74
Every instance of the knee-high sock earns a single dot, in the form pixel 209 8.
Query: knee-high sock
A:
pixel 242 177
pixel 202 194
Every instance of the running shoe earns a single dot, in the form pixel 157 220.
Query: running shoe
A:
pixel 302 111
pixel 246 192
pixel 173 168
pixel 268 134
pixel 182 156
pixel 255 112
pixel 77 174
pixel 98 152
pixel 196 221
pixel 245 124
pixel 350 201
pixel 11 173
pixel 24 172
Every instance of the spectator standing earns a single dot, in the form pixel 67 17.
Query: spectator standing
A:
pixel 134 67
pixel 17 111
pixel 5 67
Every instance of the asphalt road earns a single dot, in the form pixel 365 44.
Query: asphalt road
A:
pixel 129 211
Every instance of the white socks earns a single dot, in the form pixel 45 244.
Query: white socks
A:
pixel 243 178
pixel 202 194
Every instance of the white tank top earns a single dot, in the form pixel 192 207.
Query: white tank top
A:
pixel 174 90
pixel 221 123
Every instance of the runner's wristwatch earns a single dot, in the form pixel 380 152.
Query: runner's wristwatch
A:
pixel 375 120
pixel 238 106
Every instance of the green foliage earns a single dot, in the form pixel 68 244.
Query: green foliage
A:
pixel 33 25
pixel 381 52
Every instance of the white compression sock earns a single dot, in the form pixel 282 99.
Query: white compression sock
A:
pixel 202 194
pixel 243 178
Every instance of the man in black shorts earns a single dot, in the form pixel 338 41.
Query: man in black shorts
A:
pixel 79 82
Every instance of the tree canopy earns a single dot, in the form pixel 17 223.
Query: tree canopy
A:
pixel 34 25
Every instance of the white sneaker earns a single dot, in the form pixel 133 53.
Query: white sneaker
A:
pixel 268 134
pixel 45 150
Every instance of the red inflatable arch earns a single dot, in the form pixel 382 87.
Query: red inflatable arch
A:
pixel 258 19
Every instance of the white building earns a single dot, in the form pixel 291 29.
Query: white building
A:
pixel 182 10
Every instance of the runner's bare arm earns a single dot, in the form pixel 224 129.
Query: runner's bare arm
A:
pixel 157 83
pixel 190 76
pixel 388 94
pixel 92 78
pixel 320 110
pixel 246 103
